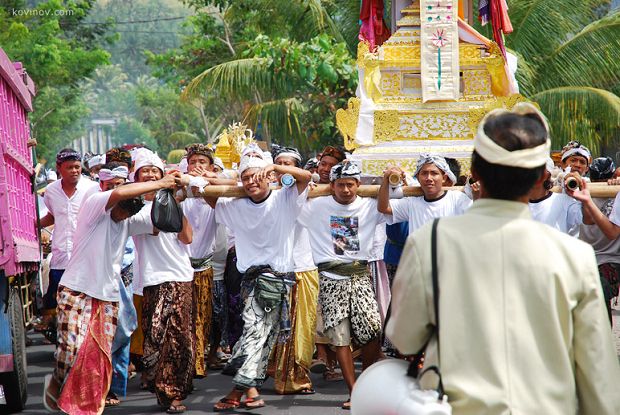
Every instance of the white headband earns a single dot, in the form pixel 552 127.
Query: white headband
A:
pixel 249 162
pixel 438 161
pixel 120 172
pixel 580 151
pixel 218 162
pixel 528 158
pixel 96 160
pixel 145 157
pixel 252 148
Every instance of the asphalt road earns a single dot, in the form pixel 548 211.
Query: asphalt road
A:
pixel 327 400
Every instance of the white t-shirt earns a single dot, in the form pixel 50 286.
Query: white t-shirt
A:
pixel 302 252
pixel 202 219
pixel 606 251
pixel 264 232
pixel 418 211
pixel 559 211
pixel 378 245
pixel 95 266
pixel 220 252
pixel 341 232
pixel 65 211
pixel 159 258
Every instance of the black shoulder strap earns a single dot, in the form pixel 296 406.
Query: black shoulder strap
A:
pixel 435 276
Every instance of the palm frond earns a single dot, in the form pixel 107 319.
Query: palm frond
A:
pixel 589 115
pixel 239 79
pixel 317 20
pixel 280 121
pixel 541 26
pixel 346 17
pixel 591 57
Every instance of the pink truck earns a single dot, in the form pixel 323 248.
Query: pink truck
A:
pixel 19 240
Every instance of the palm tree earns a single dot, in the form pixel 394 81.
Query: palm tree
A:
pixel 275 100
pixel 569 63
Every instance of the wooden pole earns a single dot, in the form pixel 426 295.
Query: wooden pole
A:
pixel 600 190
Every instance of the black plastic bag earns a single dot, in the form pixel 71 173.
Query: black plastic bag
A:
pixel 166 213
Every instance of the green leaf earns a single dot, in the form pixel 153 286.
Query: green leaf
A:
pixel 589 115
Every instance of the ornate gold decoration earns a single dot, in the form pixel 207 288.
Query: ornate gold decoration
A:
pixel 346 120
pixel 232 141
pixel 476 114
pixel 390 84
pixel 409 21
pixel 476 82
pixel 386 124
pixel 377 167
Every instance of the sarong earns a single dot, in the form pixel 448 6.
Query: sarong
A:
pixel 137 337
pixel 203 306
pixel 262 327
pixel 86 329
pixel 219 319
pixel 169 355
pixel 232 280
pixel 290 361
pixel 351 298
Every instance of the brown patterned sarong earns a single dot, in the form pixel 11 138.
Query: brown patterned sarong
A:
pixel 137 337
pixel 203 309
pixel 169 355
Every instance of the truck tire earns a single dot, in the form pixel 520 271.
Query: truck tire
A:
pixel 15 383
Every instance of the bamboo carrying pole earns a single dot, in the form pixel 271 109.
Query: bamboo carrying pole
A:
pixel 600 190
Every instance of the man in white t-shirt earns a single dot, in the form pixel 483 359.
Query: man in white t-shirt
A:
pixel 89 294
pixel 601 229
pixel 201 217
pixel 263 225
pixel 557 210
pixel 295 377
pixel 163 276
pixel 342 230
pixel 431 171
pixel 63 199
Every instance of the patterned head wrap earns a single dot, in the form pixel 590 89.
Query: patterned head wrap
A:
pixel 200 149
pixel 312 163
pixel 438 161
pixel 96 160
pixel 280 151
pixel 118 154
pixel 602 168
pixel 118 172
pixel 68 155
pixel 345 170
pixel 334 152
pixel 575 148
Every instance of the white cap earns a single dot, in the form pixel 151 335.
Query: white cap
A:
pixel 96 160
pixel 145 157
pixel 249 162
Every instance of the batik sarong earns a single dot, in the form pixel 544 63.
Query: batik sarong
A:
pixel 86 328
pixel 351 298
pixel 232 280
pixel 290 361
pixel 262 327
pixel 169 355
pixel 203 306
pixel 219 319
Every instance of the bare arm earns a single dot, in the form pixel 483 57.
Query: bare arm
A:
pixel 137 189
pixel 47 220
pixel 383 197
pixel 186 234
pixel 592 213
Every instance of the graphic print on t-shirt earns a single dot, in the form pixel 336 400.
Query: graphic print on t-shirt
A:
pixel 345 233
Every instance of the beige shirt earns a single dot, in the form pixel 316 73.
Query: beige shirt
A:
pixel 523 324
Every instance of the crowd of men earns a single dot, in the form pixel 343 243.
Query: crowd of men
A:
pixel 278 284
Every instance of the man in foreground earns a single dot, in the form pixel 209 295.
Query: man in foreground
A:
pixel 523 327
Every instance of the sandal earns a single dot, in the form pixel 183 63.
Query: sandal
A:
pixel 254 403
pixel 347 405
pixel 176 409
pixel 332 376
pixel 48 396
pixel 112 400
pixel 318 366
pixel 230 405
pixel 307 391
